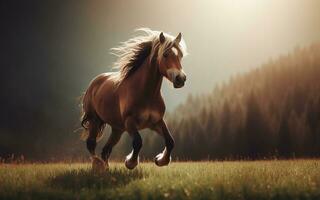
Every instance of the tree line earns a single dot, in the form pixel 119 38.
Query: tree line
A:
pixel 272 111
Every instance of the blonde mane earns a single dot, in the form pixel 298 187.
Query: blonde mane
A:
pixel 132 53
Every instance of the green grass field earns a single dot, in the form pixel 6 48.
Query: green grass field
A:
pixel 296 179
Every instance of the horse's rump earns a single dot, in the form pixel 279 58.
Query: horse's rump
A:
pixel 90 120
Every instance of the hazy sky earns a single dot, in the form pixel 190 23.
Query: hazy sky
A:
pixel 224 37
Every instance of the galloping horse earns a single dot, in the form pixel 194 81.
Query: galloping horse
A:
pixel 130 99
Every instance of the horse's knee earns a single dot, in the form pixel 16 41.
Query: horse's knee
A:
pixel 91 145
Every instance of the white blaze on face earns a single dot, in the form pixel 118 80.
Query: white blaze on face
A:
pixel 173 72
pixel 175 51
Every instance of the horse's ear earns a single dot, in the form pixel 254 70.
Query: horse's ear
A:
pixel 178 38
pixel 162 38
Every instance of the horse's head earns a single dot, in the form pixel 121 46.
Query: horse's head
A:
pixel 169 59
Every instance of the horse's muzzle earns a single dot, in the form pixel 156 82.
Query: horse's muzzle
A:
pixel 179 80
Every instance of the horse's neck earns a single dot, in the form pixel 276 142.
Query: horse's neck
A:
pixel 151 79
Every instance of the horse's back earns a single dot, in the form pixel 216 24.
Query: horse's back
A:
pixel 96 84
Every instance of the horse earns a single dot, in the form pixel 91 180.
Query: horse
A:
pixel 130 99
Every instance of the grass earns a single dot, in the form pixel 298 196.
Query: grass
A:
pixel 293 179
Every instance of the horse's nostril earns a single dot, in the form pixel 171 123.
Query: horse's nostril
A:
pixel 178 79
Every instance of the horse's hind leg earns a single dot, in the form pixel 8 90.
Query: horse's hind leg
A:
pixel 164 158
pixel 94 130
pixel 112 140
pixel 92 139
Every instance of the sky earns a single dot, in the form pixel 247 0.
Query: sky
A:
pixel 51 50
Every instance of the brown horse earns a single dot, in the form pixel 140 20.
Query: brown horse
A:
pixel 130 99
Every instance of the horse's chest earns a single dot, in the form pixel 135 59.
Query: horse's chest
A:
pixel 149 116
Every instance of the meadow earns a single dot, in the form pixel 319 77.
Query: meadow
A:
pixel 275 179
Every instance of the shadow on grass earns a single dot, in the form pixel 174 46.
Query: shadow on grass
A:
pixel 82 179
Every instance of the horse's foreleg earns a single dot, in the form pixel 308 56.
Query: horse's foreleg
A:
pixel 164 158
pixel 132 159
pixel 112 140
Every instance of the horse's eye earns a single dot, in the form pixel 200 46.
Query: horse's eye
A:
pixel 165 54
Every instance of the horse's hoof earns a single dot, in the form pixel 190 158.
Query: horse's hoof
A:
pixel 161 160
pixel 98 165
pixel 131 164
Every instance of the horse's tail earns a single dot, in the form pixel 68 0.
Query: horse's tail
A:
pixel 90 121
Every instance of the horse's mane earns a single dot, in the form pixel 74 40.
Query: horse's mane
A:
pixel 132 53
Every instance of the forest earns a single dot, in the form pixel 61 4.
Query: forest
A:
pixel 272 111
